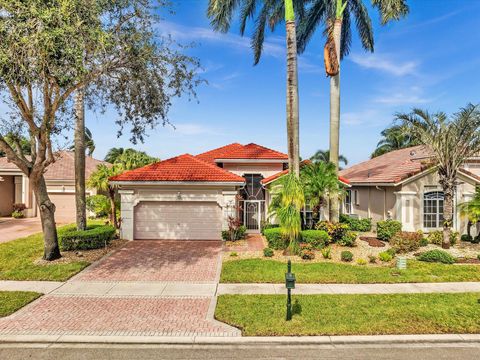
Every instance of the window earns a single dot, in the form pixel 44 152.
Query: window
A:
pixel 348 202
pixel 432 209
pixel 253 189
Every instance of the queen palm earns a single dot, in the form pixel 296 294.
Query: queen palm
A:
pixel 394 138
pixel 451 141
pixel 334 16
pixel 221 13
pixel 471 210
pixel 324 156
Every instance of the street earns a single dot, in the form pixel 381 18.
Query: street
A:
pixel 120 352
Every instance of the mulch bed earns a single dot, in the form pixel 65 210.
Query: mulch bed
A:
pixel 372 241
pixel 468 261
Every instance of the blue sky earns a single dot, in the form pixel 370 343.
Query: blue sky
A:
pixel 428 60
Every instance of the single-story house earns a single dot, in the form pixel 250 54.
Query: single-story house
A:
pixel 60 180
pixel 191 197
pixel 403 185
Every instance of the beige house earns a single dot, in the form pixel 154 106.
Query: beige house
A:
pixel 60 179
pixel 403 185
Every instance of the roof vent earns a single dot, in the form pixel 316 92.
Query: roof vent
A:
pixel 413 153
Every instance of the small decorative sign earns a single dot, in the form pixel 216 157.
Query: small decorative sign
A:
pixel 401 263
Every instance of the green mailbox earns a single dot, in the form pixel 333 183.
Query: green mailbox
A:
pixel 290 280
pixel 289 284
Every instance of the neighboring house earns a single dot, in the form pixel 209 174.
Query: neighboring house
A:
pixel 60 178
pixel 403 185
pixel 191 197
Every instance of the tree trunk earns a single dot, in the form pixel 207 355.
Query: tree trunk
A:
pixel 292 100
pixel 469 228
pixel 47 215
pixel 80 199
pixel 335 119
pixel 113 210
pixel 447 216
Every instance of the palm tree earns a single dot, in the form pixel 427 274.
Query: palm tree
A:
pixel 89 142
pixel 221 12
pixel 132 159
pixel 451 141
pixel 99 180
pixel 394 138
pixel 288 200
pixel 113 154
pixel 471 210
pixel 324 156
pixel 319 180
pixel 335 17
pixel 79 146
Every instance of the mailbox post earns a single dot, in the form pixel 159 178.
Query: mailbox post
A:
pixel 289 284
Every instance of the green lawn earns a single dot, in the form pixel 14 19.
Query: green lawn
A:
pixel 264 315
pixel 17 259
pixel 270 271
pixel 11 301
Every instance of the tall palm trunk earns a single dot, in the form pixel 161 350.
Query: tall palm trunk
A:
pixel 80 199
pixel 335 118
pixel 292 91
pixel 447 215
pixel 113 210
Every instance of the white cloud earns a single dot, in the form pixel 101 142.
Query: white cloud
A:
pixel 359 117
pixel 383 63
pixel 413 96
pixel 189 129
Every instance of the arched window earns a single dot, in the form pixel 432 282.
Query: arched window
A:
pixel 433 209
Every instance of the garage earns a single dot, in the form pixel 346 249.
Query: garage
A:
pixel 64 206
pixel 196 220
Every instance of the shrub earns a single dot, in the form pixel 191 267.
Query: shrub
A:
pixel 478 256
pixel 437 256
pixel 99 205
pixel 233 254
pixel 362 225
pixel 385 256
pixel 466 238
pixel 348 239
pixel 267 252
pixel 327 252
pixel 317 238
pixel 387 228
pixel 264 225
pixel 476 239
pixel 306 252
pixel 372 259
pixel 391 251
pixel 95 237
pixel 336 231
pixel 18 215
pixel 424 242
pixel 275 239
pixel 405 241
pixel 346 256
pixel 435 237
pixel 361 262
pixel 454 237
pixel 236 231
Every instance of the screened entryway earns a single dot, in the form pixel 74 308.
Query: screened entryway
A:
pixel 433 209
pixel 252 202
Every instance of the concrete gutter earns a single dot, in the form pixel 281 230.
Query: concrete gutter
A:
pixel 280 340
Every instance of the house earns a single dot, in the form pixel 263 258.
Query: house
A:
pixel 191 197
pixel 60 179
pixel 403 185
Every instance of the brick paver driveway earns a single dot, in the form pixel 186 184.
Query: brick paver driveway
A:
pixel 139 263
pixel 162 260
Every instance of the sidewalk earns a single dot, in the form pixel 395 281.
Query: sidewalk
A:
pixel 212 289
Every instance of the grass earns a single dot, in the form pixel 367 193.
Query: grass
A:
pixel 264 315
pixel 17 261
pixel 11 301
pixel 271 271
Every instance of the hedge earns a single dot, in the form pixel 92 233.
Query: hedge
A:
pixel 362 225
pixel 317 238
pixel 387 228
pixel 95 237
pixel 275 238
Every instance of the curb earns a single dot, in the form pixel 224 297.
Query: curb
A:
pixel 281 340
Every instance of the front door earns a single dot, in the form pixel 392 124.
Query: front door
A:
pixel 251 215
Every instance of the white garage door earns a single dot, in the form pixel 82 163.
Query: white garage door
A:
pixel 178 220
pixel 64 206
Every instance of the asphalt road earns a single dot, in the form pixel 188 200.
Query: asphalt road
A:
pixel 146 352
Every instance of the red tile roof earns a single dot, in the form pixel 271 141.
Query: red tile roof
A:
pixel 274 177
pixel 239 151
pixel 391 167
pixel 181 168
pixel 63 168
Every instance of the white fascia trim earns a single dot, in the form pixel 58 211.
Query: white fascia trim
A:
pixel 468 177
pixel 417 176
pixel 372 184
pixel 276 161
pixel 9 172
pixel 181 183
